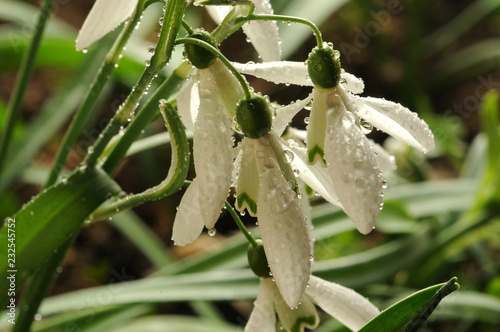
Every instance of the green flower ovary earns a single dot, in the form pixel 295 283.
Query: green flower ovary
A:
pixel 254 116
pixel 200 57
pixel 257 260
pixel 323 66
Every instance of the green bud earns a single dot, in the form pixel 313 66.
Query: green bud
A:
pixel 199 56
pixel 323 66
pixel 257 260
pixel 254 116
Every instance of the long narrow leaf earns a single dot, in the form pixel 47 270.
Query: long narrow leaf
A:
pixel 46 222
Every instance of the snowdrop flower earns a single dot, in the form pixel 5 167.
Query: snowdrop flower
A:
pixel 215 92
pixel 344 304
pixel 339 121
pixel 266 184
pixel 262 34
pixel 104 16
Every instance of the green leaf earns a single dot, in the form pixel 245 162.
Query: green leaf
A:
pixel 414 306
pixel 143 237
pixel 173 323
pixel 50 219
pixel 214 285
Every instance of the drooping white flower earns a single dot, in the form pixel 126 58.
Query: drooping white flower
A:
pixel 344 304
pixel 104 17
pixel 214 91
pixel 266 185
pixel 262 34
pixel 335 135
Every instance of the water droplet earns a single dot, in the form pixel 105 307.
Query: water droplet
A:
pixel 366 127
pixel 38 317
pixel 296 172
pixel 306 120
pixel 346 177
pixel 85 50
pixel 212 231
pixel 384 184
pixel 288 156
pixel 147 63
pixel 151 50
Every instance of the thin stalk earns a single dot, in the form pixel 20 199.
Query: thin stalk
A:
pixel 240 225
pixel 176 174
pixel 25 71
pixel 90 99
pixel 291 19
pixel 174 11
pixel 221 57
pixel 144 116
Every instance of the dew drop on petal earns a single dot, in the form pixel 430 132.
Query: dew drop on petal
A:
pixel 288 155
pixel 212 231
pixel 384 184
pixel 366 127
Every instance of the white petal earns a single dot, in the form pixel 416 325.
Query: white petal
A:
pixel 218 12
pixel 264 34
pixel 188 103
pixel 248 183
pixel 386 160
pixel 344 304
pixel 263 318
pixel 394 119
pixel 296 319
pixel 353 167
pixel 213 152
pixel 188 222
pixel 104 16
pixel 279 72
pixel 228 87
pixel 316 128
pixel 315 176
pixel 284 230
pixel 351 83
pixel 284 115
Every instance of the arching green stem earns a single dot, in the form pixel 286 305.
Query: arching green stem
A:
pixel 176 174
pixel 221 57
pixel 87 105
pixel 284 18
pixel 240 225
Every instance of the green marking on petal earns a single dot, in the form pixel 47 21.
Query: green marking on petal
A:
pixel 314 154
pixel 250 203
pixel 302 322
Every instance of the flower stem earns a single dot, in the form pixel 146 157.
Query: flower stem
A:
pixel 240 225
pixel 221 57
pixel 284 18
pixel 176 174
pixel 90 99
pixel 26 68
pixel 144 116
pixel 172 19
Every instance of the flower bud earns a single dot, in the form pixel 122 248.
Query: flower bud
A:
pixel 199 56
pixel 323 66
pixel 254 116
pixel 257 260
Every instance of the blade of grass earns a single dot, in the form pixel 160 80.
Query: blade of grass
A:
pixel 14 106
pixel 54 113
pixel 399 314
pixel 49 220
pixel 144 239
